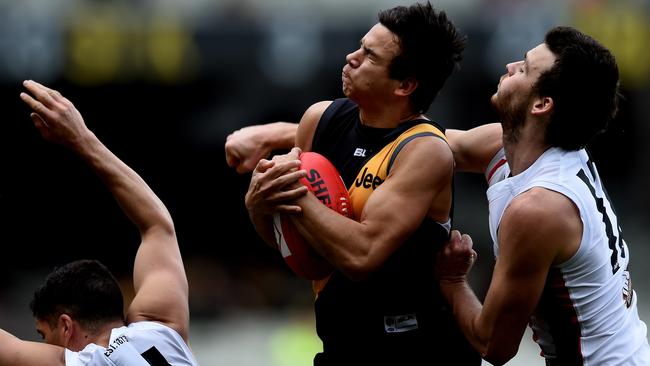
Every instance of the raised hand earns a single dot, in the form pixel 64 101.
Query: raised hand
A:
pixel 55 117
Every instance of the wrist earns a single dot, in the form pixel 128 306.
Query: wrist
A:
pixel 284 136
pixel 85 143
pixel 452 284
pixel 453 280
pixel 452 288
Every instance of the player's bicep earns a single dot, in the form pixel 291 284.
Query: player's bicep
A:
pixel 420 176
pixel 308 124
pixel 14 351
pixel 160 283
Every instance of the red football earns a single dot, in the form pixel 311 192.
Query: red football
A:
pixel 324 181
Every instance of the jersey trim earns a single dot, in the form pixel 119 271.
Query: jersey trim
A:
pixel 406 141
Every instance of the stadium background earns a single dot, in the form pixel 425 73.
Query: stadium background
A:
pixel 162 83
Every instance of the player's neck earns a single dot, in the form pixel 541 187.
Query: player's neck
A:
pixel 102 337
pixel 523 148
pixel 387 117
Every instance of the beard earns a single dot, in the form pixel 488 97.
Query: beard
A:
pixel 512 114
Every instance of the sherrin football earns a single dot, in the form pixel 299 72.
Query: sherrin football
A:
pixel 324 181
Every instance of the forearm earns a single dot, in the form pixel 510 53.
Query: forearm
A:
pixel 281 135
pixel 345 243
pixel 474 149
pixel 467 311
pixel 495 337
pixel 263 225
pixel 132 193
pixel 7 341
pixel 14 351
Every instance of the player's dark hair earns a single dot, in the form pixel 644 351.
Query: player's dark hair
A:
pixel 85 289
pixel 431 46
pixel 584 86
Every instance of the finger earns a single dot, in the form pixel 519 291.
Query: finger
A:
pixel 466 240
pixel 36 106
pixel 232 158
pixel 48 90
pixel 40 93
pixel 246 166
pixel 282 168
pixel 263 165
pixel 454 236
pixel 296 150
pixel 40 123
pixel 53 93
pixel 471 258
pixel 289 195
pixel 269 189
pixel 287 179
pixel 288 209
pixel 232 161
pixel 56 95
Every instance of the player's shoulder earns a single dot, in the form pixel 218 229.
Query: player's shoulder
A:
pixel 308 123
pixel 540 210
pixel 540 202
pixel 428 149
pixel 313 114
pixel 427 157
pixel 544 222
pixel 317 109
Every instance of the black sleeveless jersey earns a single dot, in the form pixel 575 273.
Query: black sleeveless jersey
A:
pixel 397 314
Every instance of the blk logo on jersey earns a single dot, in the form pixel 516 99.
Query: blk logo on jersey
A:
pixel 360 152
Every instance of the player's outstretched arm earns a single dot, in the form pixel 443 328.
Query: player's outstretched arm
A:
pixel 14 351
pixel 474 149
pixel 159 277
pixel 247 146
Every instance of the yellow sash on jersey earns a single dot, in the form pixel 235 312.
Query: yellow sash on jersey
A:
pixel 377 168
pixel 375 171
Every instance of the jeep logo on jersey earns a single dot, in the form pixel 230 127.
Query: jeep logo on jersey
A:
pixel 368 180
pixel 318 187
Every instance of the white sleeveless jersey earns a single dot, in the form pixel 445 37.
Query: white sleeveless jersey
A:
pixel 139 344
pixel 587 314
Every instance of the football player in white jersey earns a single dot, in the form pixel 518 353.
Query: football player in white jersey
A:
pixel 78 310
pixel 561 260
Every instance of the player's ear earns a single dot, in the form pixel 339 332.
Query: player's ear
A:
pixel 542 105
pixel 65 327
pixel 406 86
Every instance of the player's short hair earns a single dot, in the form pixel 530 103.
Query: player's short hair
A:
pixel 430 47
pixel 84 289
pixel 584 86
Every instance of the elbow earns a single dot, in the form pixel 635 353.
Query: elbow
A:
pixel 163 227
pixel 355 275
pixel 357 269
pixel 167 227
pixel 166 223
